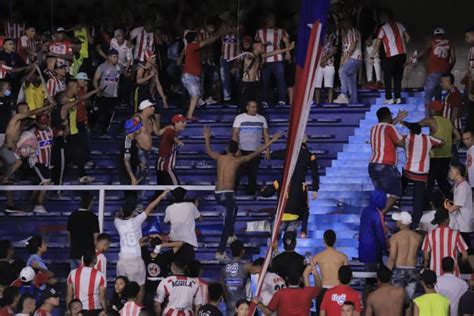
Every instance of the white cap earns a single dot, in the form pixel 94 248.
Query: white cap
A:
pixel 403 217
pixel 27 274
pixel 144 104
pixel 438 31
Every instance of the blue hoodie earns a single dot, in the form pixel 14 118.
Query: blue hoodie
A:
pixel 372 242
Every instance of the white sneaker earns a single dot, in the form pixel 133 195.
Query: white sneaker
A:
pixel 398 101
pixel 86 179
pixel 12 209
pixel 231 239
pixel 389 101
pixel 210 101
pixel 40 209
pixel 281 103
pixel 341 99
pixel 222 257
pixel 201 102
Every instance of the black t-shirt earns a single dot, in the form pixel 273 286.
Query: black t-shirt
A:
pixel 12 60
pixel 129 150
pixel 157 268
pixel 5 113
pixel 286 261
pixel 8 272
pixel 82 225
pixel 209 310
pixel 466 303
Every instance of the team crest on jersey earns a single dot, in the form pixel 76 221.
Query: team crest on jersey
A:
pixel 153 269
pixel 232 268
pixel 339 299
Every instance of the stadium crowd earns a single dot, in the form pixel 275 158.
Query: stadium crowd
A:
pixel 59 87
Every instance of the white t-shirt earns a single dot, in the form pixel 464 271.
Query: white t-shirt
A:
pixel 251 130
pixel 470 165
pixel 462 219
pixel 130 231
pixel 453 288
pixel 271 283
pixel 124 51
pixel 181 216
pixel 425 221
pixel 182 293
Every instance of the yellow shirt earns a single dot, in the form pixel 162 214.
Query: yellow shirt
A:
pixel 34 96
pixel 432 304
pixel 81 34
pixel 73 121
pixel 445 133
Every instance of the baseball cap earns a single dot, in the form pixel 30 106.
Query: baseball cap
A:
pixel 403 217
pixel 436 105
pixel 440 216
pixel 112 52
pixel 144 104
pixel 149 54
pixel 132 125
pixel 82 76
pixel 27 274
pixel 178 118
pixel 247 39
pixel 429 277
pixel 48 293
pixel 60 29
pixel 289 238
pixel 438 31
pixel 42 119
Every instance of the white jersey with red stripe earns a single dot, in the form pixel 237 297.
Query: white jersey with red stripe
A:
pixel 61 48
pixel 417 150
pixel 131 309
pixel 392 36
pixel 45 144
pixel 26 44
pixel 101 264
pixel 86 283
pixel 182 294
pixel 230 48
pixel 4 70
pixel 271 283
pixel 272 39
pixel 384 138
pixel 144 41
pixel 352 36
pixel 42 312
pixel 55 85
pixel 14 30
pixel 443 242
pixel 453 100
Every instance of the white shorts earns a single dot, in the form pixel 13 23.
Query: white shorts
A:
pixel 326 73
pixel 133 269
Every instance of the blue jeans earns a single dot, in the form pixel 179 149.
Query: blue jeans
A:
pixel 348 74
pixel 276 68
pixel 227 200
pixel 431 83
pixel 226 73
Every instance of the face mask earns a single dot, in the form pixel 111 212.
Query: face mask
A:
pixel 7 93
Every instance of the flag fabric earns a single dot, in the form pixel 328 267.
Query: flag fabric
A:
pixel 312 21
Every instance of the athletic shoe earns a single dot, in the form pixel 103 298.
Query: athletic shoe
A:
pixel 12 209
pixel 228 99
pixel 389 101
pixel 264 103
pixel 40 209
pixel 210 101
pixel 341 99
pixel 281 103
pixel 398 101
pixel 201 102
pixel 86 179
pixel 222 258
pixel 231 239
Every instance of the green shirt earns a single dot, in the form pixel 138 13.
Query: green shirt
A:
pixel 445 133
pixel 432 304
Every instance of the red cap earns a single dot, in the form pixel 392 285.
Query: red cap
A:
pixel 178 118
pixel 247 39
pixel 43 119
pixel 149 54
pixel 436 105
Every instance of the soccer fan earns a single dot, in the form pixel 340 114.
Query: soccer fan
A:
pixel 336 296
pixel 241 307
pixel 443 242
pixel 57 82
pixel 404 246
pixel 50 301
pixel 6 103
pixel 148 81
pixel 272 283
pixel 9 266
pixel 61 48
pixel 118 299
pixel 180 291
pixel 195 271
pixel 27 48
pixel 101 246
pixel 394 37
pixel 466 302
pixel 417 150
pixel 272 37
pixel 26 305
pixel 468 140
pixel 12 64
pixel 215 296
pixel 326 69
pixel 209 62
pixel 468 79
pixel 37 247
pixel 129 227
pixel 10 300
pixel 350 63
pixel 452 103
pixel 123 47
pixel 30 283
pixel 436 203
pixel 372 65
pixel 431 303
pixel 33 90
pixel 450 285
pixel 132 307
pixel 229 50
pixel 289 259
pixel 227 168
pixel 248 130
pixel 144 39
pixel 75 308
pixel 88 285
pixel 386 299
pixel 384 138
pixel 129 160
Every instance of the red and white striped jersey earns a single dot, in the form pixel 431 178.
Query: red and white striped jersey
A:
pixel 453 100
pixel 391 34
pixel 352 36
pixel 272 37
pixel 131 309
pixel 42 312
pixel 384 138
pixel 101 264
pixel 4 70
pixel 45 144
pixel 271 283
pixel 443 242
pixel 55 85
pixel 86 283
pixel 417 149
pixel 230 48
pixel 61 48
pixel 182 294
pixel 144 41
pixel 25 44
pixel 14 30
pixel 168 151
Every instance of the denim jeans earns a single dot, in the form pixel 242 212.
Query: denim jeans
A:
pixel 276 68
pixel 227 200
pixel 431 85
pixel 348 74
pixel 226 73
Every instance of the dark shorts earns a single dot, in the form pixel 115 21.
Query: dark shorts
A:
pixel 406 278
pixel 386 178
pixel 290 71
pixel 42 173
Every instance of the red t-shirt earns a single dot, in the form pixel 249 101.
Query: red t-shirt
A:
pixel 334 299
pixel 438 59
pixel 167 142
pixel 293 301
pixel 6 311
pixel 81 114
pixel 192 61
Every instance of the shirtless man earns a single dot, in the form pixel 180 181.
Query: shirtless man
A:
pixel 386 300
pixel 329 262
pixel 227 166
pixel 404 247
